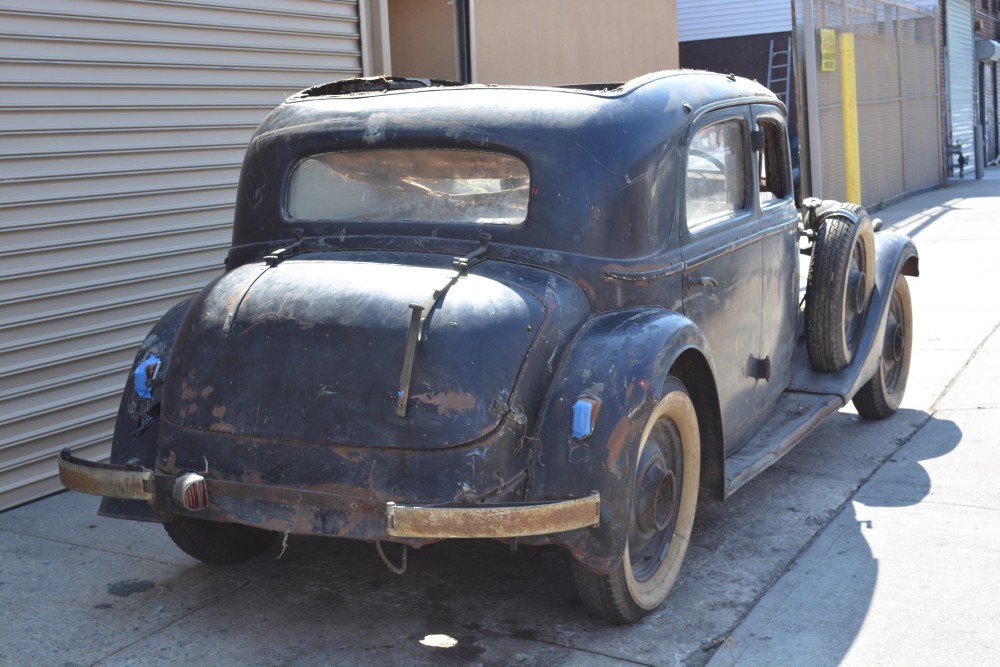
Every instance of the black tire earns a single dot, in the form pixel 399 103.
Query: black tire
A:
pixel 839 288
pixel 665 496
pixel 881 395
pixel 218 543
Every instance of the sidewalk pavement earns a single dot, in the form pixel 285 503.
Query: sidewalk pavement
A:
pixel 906 573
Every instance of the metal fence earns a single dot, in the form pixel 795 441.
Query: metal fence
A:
pixel 897 77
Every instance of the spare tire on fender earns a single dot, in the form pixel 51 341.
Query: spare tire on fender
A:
pixel 839 287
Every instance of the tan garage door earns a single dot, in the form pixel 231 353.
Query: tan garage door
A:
pixel 122 128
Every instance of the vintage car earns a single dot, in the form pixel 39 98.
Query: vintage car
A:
pixel 544 315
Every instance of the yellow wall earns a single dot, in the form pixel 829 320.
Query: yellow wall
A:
pixel 571 41
pixel 422 39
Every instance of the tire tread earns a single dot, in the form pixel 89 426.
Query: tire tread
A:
pixel 824 312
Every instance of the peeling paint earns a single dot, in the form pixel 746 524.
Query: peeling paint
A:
pixel 447 401
pixel 374 129
pixel 616 442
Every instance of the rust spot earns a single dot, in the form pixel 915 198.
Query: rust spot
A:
pixel 587 288
pixel 448 401
pixel 616 442
pixel 219 411
pixel 222 427
pixel 189 410
pixel 207 391
pixel 187 393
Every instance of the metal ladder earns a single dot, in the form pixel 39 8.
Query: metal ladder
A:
pixel 779 70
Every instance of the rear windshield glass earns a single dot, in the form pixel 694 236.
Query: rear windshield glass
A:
pixel 423 185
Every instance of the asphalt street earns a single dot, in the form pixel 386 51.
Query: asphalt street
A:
pixel 871 543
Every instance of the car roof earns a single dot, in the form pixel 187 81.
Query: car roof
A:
pixel 595 152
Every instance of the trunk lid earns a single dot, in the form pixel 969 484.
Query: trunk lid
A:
pixel 312 350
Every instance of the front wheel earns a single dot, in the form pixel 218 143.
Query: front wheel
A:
pixel 881 395
pixel 664 498
pixel 218 543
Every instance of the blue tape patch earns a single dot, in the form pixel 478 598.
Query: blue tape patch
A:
pixel 144 372
pixel 583 418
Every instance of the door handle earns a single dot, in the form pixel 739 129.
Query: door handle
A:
pixel 704 281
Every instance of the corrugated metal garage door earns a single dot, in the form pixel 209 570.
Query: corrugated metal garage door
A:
pixel 123 127
pixel 961 49
pixel 717 19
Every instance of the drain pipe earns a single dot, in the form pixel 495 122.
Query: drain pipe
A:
pixel 980 152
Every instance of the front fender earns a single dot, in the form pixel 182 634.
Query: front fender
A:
pixel 133 438
pixel 622 359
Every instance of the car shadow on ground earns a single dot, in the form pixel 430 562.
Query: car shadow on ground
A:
pixel 837 574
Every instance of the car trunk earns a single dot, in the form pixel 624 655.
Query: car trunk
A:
pixel 312 349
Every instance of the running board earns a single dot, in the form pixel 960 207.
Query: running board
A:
pixel 795 414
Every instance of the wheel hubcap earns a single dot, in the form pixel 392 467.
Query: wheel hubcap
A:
pixel 856 290
pixel 659 477
pixel 855 298
pixel 657 499
pixel 895 344
pixel 896 338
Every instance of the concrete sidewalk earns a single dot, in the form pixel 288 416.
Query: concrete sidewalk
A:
pixel 906 573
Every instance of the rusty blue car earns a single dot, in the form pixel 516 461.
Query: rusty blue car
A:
pixel 542 315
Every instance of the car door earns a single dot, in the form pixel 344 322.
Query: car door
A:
pixel 775 201
pixel 723 259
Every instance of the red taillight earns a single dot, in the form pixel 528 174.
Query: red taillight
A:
pixel 191 491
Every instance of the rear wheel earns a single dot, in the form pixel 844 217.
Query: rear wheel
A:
pixel 664 499
pixel 218 543
pixel 881 395
pixel 840 284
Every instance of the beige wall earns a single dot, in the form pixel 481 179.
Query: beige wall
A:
pixel 422 39
pixel 571 41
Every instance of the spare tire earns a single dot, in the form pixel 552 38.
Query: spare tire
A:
pixel 839 287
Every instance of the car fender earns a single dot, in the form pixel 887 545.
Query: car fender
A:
pixel 895 254
pixel 620 360
pixel 137 425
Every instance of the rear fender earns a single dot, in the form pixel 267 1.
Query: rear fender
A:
pixel 621 359
pixel 137 425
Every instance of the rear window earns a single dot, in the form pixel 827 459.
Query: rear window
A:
pixel 421 185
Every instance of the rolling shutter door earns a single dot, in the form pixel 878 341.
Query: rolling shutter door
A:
pixel 123 127
pixel 962 78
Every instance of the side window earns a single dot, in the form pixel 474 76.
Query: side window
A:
pixel 715 181
pixel 772 167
